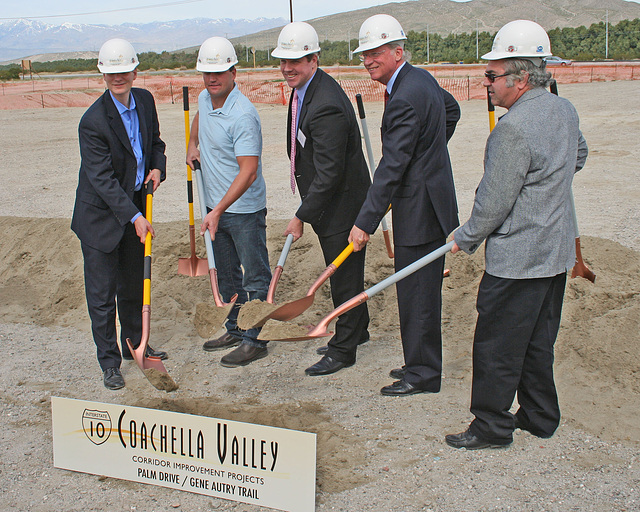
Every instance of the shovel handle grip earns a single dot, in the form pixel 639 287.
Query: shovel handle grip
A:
pixel 360 104
pixel 185 98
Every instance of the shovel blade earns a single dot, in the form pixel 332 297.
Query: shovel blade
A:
pixel 287 311
pixel 193 266
pixel 144 361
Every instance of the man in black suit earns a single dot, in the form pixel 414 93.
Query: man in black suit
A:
pixel 329 169
pixel 121 150
pixel 415 177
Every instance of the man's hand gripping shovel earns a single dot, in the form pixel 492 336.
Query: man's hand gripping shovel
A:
pixel 225 308
pixel 151 366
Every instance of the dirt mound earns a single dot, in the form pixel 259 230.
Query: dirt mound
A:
pixel 41 265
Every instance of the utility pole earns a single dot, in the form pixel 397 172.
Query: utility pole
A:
pixel 428 57
pixel 476 40
pixel 349 39
pixel 246 48
pixel 606 40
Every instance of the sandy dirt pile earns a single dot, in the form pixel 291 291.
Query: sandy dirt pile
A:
pixel 375 453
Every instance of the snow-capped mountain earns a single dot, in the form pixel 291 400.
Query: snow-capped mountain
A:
pixel 23 38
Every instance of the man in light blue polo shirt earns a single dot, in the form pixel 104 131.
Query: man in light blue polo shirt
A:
pixel 226 137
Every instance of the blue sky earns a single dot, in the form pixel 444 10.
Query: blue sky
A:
pixel 166 10
pixel 139 11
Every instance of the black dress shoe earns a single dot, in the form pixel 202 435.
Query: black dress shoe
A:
pixel 323 350
pixel 243 355
pixel 471 442
pixel 150 353
pixel 401 388
pixel 326 366
pixel 225 341
pixel 398 373
pixel 112 378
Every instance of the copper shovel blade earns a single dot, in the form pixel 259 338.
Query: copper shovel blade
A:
pixel 193 266
pixel 287 311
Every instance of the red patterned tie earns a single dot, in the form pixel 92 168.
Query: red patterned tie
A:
pixel 294 116
pixel 386 97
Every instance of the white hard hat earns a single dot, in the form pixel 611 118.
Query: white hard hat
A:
pixel 216 54
pixel 117 56
pixel 520 39
pixel 296 40
pixel 378 30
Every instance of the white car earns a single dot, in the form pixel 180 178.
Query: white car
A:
pixel 554 60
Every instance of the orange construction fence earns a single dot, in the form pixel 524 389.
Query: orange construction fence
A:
pixel 464 82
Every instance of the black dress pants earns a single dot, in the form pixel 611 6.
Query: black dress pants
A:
pixel 113 280
pixel 420 311
pixel 348 281
pixel 518 321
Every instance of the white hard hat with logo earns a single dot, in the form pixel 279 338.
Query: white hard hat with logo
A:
pixel 216 54
pixel 296 40
pixel 520 39
pixel 377 31
pixel 117 56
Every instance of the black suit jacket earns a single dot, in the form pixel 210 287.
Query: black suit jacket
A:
pixel 414 174
pixel 104 197
pixel 331 172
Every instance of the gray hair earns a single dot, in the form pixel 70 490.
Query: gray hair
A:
pixel 537 75
pixel 406 54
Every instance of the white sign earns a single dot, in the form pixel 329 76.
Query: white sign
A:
pixel 266 466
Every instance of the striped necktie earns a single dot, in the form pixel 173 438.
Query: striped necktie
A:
pixel 294 118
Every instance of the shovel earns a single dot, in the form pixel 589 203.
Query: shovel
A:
pixel 150 365
pixel 290 310
pixel 213 273
pixel 191 266
pixel 322 329
pixel 580 269
pixel 277 272
pixel 492 113
pixel 372 166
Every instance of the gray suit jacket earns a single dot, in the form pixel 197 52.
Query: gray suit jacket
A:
pixel 522 205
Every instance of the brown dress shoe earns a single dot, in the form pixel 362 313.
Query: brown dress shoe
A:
pixel 225 341
pixel 243 355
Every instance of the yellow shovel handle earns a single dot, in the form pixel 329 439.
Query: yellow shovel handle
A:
pixel 343 255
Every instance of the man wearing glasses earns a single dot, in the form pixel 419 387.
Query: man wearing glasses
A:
pixel 523 209
pixel 414 176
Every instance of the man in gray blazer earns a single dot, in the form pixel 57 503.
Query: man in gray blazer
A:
pixel 523 210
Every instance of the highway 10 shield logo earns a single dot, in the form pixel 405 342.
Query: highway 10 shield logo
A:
pixel 96 425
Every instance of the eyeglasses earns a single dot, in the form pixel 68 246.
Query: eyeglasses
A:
pixel 371 55
pixel 492 78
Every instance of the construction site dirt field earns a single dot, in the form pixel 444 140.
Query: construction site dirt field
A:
pixel 374 453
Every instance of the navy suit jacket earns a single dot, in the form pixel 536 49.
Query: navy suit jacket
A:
pixel 331 172
pixel 414 174
pixel 104 197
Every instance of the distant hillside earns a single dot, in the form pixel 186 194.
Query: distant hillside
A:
pixel 28 38
pixel 445 17
pixel 31 39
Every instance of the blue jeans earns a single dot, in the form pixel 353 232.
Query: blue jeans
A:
pixel 241 243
